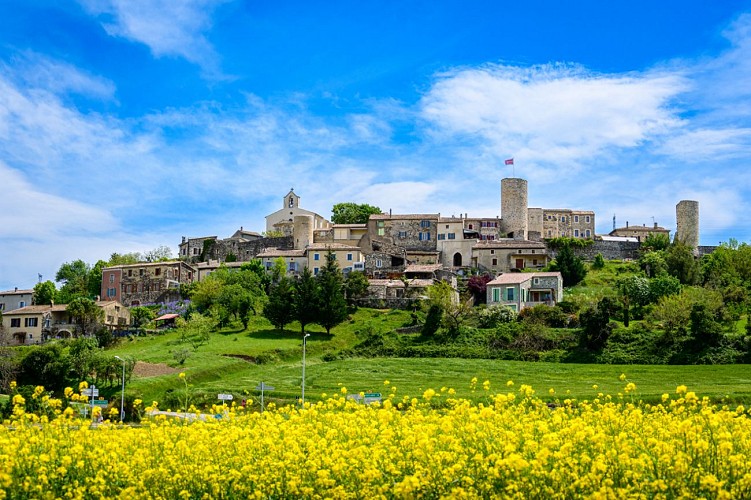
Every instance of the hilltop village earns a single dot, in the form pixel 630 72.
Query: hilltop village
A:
pixel 398 253
pixel 390 246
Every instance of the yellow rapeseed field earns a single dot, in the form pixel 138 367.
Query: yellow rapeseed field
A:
pixel 511 445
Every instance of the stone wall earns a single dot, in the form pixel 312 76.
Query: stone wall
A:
pixel 245 250
pixel 610 250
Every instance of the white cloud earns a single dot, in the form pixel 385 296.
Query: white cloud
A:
pixel 167 27
pixel 552 113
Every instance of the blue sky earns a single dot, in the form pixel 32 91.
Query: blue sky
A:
pixel 127 124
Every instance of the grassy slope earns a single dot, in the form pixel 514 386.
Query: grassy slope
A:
pixel 208 369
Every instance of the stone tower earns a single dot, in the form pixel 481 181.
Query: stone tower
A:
pixel 303 231
pixel 514 207
pixel 687 221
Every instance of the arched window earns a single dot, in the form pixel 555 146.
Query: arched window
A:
pixel 457 259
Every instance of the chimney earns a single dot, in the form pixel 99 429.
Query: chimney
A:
pixel 626 224
pixel 16 289
pixel 655 225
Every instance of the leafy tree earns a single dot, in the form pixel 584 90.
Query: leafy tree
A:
pixel 356 287
pixel 279 309
pixel 206 292
pixel 81 353
pixel 491 317
pixel 94 279
pixel 117 259
pixel 655 241
pixel 47 365
pixel 86 313
pixel 45 293
pixel 278 269
pixel 305 299
pixel 682 264
pixel 455 311
pixel 662 286
pixel 705 330
pixel 158 254
pixel 477 285
pixel 653 263
pixel 74 276
pixel 432 320
pixel 332 306
pixel 197 329
pixel 632 290
pixel 595 324
pixel 352 213
pixel 141 315
pixel 570 266
pixel 673 312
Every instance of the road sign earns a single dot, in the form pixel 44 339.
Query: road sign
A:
pixel 225 397
pixel 100 402
pixel 372 397
pixel 264 387
pixel 91 391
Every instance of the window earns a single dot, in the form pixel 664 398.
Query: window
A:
pixel 195 251
pixel 536 281
pixel 157 271
pixel 534 262
pixel 549 233
pixel 588 234
pixel 587 218
pixel 315 271
pixel 452 236
pixel 563 218
pixel 380 225
pixel 112 277
pixel 495 262
pixel 402 234
pixel 576 233
pixel 22 304
pixel 140 272
pixel 424 223
pixel 441 236
pixel 15 322
pixel 349 256
pixel 293 266
pixel 470 226
pixel 492 252
pixel 576 218
pixel 316 256
pixel 110 319
pixel 2 306
pixel 379 263
pixel 510 293
pixel 496 294
pixel 424 236
pixel 111 292
pixel 130 272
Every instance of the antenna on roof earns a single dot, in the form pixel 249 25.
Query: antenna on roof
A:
pixel 613 222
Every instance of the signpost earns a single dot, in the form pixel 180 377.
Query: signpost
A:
pixel 91 392
pixel 225 397
pixel 372 397
pixel 263 387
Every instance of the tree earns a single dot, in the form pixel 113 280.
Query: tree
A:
pixel 160 253
pixel 570 266
pixel 662 286
pixel 655 241
pixel 455 311
pixel 117 259
pixel 197 330
pixel 478 286
pixel 599 261
pixel 94 279
pixel 332 306
pixel 356 287
pixel 47 365
pixel 682 264
pixel 279 309
pixel 305 299
pixel 141 315
pixel 278 269
pixel 632 290
pixel 86 313
pixel 653 263
pixel 595 324
pixel 45 293
pixel 75 279
pixel 352 213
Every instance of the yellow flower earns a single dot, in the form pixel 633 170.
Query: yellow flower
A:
pixel 68 392
pixel 13 385
pixel 510 383
pixel 386 382
pixel 343 390
pixel 83 385
pixel 182 375
pixel 622 377
pixel 681 389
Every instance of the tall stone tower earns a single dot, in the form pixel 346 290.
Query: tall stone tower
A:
pixel 303 231
pixel 687 221
pixel 514 207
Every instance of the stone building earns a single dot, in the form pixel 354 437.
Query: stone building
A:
pixel 545 223
pixel 283 219
pixel 639 232
pixel 146 282
pixel 515 223
pixel 502 256
pixel 36 324
pixel 15 299
pixel 687 223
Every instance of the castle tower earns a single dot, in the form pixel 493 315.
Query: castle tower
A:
pixel 303 231
pixel 514 207
pixel 687 221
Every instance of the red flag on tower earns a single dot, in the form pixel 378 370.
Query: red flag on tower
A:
pixel 510 161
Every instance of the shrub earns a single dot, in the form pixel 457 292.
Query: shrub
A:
pixel 491 317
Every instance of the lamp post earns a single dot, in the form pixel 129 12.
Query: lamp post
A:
pixel 304 343
pixel 122 393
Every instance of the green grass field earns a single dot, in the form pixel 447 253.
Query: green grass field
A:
pixel 227 364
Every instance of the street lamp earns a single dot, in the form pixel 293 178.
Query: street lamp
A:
pixel 304 342
pixel 122 393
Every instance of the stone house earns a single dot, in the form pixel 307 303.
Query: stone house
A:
pixel 456 237
pixel 398 289
pixel 15 299
pixel 295 260
pixel 206 268
pixel 35 324
pixel 347 256
pixel 521 290
pixel 639 232
pixel 502 256
pixel 146 282
pixel 561 222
